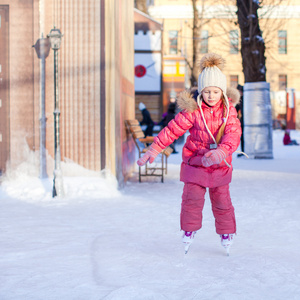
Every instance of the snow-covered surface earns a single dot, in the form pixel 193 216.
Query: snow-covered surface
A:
pixel 102 243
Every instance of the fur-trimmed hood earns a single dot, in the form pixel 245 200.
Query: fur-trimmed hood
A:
pixel 186 101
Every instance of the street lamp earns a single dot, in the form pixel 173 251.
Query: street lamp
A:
pixel 42 48
pixel 58 189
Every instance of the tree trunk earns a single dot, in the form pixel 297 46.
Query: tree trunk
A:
pixel 253 45
pixel 257 115
pixel 196 44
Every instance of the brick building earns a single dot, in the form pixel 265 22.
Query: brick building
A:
pixel 96 82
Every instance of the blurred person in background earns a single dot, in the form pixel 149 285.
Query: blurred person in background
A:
pixel 146 120
pixel 287 141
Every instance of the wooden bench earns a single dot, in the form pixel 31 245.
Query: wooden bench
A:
pixel 142 142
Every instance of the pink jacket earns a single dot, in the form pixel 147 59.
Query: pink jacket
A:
pixel 286 139
pixel 199 140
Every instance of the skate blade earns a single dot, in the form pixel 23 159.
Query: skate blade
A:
pixel 227 251
pixel 186 249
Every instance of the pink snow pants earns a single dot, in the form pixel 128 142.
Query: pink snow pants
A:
pixel 192 206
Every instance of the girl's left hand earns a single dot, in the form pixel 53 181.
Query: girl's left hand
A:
pixel 213 157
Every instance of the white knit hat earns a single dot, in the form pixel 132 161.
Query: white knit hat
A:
pixel 211 66
pixel 142 106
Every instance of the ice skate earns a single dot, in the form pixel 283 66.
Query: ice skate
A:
pixel 226 241
pixel 187 239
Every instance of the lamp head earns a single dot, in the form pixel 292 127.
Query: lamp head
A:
pixel 55 38
pixel 42 47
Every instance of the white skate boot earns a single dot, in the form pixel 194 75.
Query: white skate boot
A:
pixel 187 239
pixel 226 241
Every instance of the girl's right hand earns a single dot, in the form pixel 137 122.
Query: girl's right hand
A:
pixel 150 155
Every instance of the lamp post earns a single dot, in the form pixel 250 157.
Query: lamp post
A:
pixel 42 48
pixel 58 189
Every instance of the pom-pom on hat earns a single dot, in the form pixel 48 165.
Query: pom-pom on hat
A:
pixel 211 66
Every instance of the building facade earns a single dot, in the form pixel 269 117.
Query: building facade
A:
pixel 96 82
pixel 148 64
pixel 220 33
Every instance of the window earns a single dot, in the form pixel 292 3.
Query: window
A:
pixel 173 41
pixel 234 41
pixel 282 42
pixel 204 41
pixel 234 80
pixel 282 82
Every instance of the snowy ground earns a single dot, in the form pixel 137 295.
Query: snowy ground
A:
pixel 101 243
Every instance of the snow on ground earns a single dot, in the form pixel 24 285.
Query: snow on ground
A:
pixel 102 243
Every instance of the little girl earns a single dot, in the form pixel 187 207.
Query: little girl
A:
pixel 214 135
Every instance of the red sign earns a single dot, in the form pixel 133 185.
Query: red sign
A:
pixel 140 71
